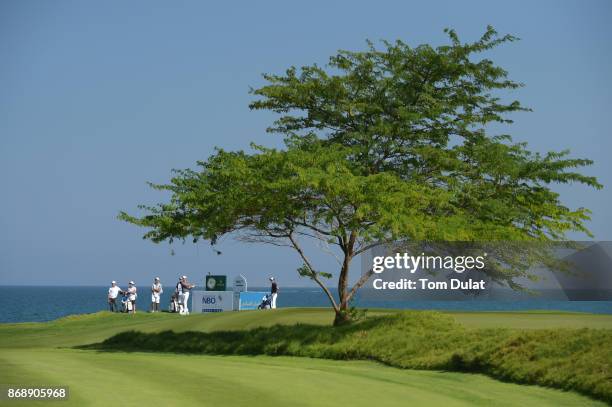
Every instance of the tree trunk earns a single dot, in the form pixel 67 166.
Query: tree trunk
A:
pixel 341 308
pixel 343 316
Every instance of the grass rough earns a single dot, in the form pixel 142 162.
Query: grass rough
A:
pixel 563 358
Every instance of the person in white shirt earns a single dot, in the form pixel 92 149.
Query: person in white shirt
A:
pixel 132 295
pixel 156 291
pixel 184 288
pixel 273 292
pixel 113 293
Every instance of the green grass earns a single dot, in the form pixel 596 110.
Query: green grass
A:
pixel 29 354
pixel 90 328
pixel 533 320
pixel 103 379
pixel 569 359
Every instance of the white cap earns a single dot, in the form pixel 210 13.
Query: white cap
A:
pixel 271 278
pixel 157 278
pixel 113 282
pixel 131 282
pixel 184 277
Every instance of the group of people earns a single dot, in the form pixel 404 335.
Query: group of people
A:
pixel 128 297
pixel 179 301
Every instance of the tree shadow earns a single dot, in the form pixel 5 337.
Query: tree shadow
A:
pixel 272 340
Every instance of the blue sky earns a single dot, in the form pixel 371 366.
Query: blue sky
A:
pixel 98 97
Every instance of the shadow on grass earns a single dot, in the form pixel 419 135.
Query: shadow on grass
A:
pixel 273 340
pixel 568 359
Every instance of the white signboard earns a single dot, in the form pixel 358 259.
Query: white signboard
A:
pixel 212 301
pixel 239 286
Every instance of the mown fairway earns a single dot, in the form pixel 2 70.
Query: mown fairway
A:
pixel 140 379
pixel 38 353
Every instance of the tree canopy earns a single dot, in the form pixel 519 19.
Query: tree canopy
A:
pixel 381 146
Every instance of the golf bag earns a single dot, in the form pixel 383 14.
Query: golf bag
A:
pixel 266 302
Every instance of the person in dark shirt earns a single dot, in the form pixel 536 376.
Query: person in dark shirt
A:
pixel 273 292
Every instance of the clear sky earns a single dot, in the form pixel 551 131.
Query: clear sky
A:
pixel 98 97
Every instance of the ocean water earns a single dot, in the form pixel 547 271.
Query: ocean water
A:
pixel 28 304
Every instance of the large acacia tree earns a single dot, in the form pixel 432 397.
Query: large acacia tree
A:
pixel 381 146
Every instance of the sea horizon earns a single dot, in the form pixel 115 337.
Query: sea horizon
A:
pixel 46 303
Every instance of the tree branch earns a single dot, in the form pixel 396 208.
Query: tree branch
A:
pixel 366 248
pixel 359 284
pixel 314 276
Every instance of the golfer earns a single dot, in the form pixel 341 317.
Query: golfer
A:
pixel 132 295
pixel 178 293
pixel 156 291
pixel 184 289
pixel 113 293
pixel 274 292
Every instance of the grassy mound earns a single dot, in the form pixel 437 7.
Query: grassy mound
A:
pixel 569 359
